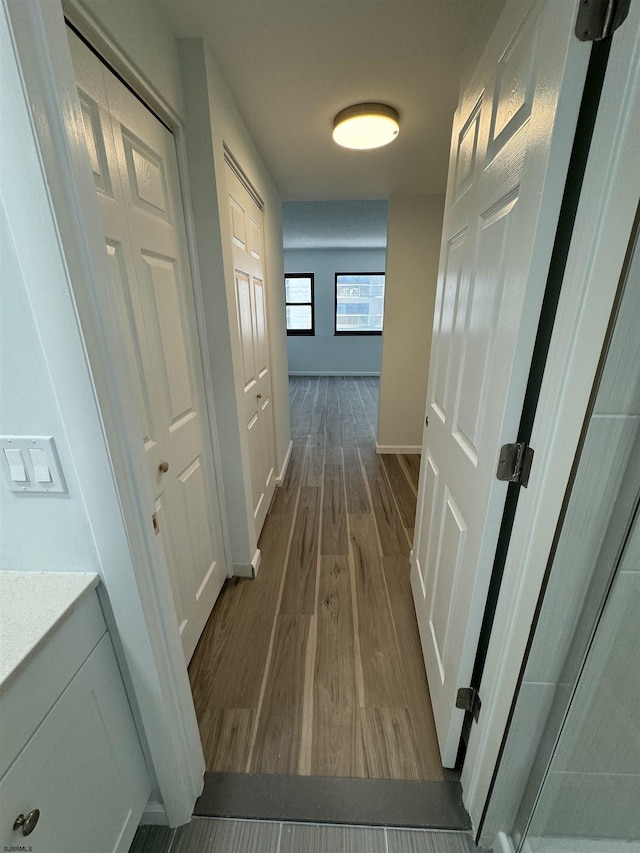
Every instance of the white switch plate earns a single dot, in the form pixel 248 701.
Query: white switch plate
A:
pixel 24 443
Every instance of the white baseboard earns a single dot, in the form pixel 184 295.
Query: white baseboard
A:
pixel 243 570
pixel 399 448
pixel 154 815
pixel 285 465
pixel 255 563
pixel 333 373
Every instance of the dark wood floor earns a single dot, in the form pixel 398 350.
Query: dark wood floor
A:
pixel 314 667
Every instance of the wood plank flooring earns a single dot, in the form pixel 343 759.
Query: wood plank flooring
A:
pixel 314 667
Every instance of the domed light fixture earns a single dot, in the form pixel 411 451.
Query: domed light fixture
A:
pixel 364 126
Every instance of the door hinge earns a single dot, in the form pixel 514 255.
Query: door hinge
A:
pixel 514 464
pixel 468 699
pixel 598 19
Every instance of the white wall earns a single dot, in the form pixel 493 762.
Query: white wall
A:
pixel 141 36
pixel 55 527
pixel 326 353
pixel 413 248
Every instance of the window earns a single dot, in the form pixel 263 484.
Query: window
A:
pixel 298 294
pixel 359 303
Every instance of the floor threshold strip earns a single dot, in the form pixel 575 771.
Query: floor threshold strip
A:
pixel 316 799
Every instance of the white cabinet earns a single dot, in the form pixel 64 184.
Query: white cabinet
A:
pixel 81 765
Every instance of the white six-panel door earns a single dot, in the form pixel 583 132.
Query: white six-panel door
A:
pixel 248 271
pixel 512 137
pixel 136 176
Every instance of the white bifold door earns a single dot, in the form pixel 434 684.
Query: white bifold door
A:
pixel 133 158
pixel 511 143
pixel 247 243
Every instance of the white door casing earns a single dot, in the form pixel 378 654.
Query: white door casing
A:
pixel 246 220
pixel 510 150
pixel 135 172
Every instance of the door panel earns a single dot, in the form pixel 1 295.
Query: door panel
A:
pixel 449 561
pixel 445 311
pixel 509 154
pixel 165 329
pixel 477 324
pixel 135 170
pixel 245 322
pixel 127 313
pixel 515 84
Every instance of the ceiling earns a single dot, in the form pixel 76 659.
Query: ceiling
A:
pixel 291 65
pixel 334 224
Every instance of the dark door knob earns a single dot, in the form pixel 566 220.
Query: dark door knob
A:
pixel 27 824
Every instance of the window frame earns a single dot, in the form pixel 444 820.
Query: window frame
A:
pixel 301 332
pixel 341 332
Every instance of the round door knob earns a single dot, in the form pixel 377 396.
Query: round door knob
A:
pixel 163 467
pixel 28 823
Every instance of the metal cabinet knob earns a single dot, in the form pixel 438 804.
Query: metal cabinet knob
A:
pixel 28 823
pixel 163 467
pixel 258 396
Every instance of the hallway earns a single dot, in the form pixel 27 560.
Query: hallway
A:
pixel 315 668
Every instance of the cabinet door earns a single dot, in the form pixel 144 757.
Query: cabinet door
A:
pixel 83 769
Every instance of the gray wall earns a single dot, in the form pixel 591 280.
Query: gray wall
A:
pixel 593 787
pixel 325 353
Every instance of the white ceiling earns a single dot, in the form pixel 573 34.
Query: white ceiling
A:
pixel 292 65
pixel 334 224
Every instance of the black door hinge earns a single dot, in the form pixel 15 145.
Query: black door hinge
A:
pixel 514 464
pixel 468 699
pixel 598 19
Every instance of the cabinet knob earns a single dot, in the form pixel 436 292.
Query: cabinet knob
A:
pixel 258 396
pixel 28 823
pixel 163 467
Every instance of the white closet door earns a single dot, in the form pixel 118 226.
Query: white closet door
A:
pixel 248 270
pixel 136 175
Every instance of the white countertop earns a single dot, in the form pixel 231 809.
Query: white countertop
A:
pixel 32 606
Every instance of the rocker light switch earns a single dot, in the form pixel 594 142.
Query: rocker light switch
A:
pixel 30 464
pixel 41 472
pixel 17 471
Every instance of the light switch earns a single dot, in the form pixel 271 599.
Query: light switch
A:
pixel 30 465
pixel 17 471
pixel 41 472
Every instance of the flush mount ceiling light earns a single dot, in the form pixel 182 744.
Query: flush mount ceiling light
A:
pixel 366 126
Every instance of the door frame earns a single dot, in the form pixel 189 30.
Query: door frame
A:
pixel 139 605
pixel 603 225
